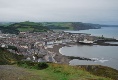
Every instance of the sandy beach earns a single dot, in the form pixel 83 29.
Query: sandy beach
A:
pixel 59 57
pixel 62 58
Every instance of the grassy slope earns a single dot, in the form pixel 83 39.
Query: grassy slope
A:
pixel 70 25
pixel 65 72
pixel 44 26
pixel 59 24
pixel 64 24
pixel 54 72
pixel 23 29
pixel 102 71
pixel 15 28
pixel 11 72
pixel 29 26
pixel 8 58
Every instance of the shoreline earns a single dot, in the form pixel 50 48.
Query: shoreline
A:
pixel 63 59
pixel 58 56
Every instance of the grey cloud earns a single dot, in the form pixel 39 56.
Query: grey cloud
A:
pixel 98 11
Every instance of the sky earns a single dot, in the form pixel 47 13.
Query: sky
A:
pixel 88 11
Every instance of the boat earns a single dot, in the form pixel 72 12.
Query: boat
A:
pixel 85 41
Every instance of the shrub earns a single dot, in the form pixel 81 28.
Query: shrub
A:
pixel 34 65
pixel 42 65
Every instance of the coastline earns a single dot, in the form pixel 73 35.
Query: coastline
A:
pixel 62 59
pixel 58 56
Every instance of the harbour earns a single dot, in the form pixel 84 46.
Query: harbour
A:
pixel 104 54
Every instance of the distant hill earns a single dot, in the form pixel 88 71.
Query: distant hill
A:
pixel 84 26
pixel 70 25
pixel 7 57
pixel 10 30
pixel 29 26
pixel 15 28
pixel 58 25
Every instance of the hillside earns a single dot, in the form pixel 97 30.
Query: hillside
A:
pixel 50 71
pixel 10 30
pixel 70 25
pixel 53 72
pixel 15 28
pixel 84 26
pixel 29 26
pixel 58 25
pixel 7 57
pixel 67 72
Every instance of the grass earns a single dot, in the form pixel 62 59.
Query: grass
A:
pixel 102 71
pixel 64 24
pixel 23 29
pixel 7 57
pixel 65 72
pixel 12 72
pixel 59 24
pixel 53 72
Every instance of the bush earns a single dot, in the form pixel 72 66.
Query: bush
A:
pixel 42 65
pixel 33 65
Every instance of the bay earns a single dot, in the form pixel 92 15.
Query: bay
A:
pixel 103 55
pixel 110 32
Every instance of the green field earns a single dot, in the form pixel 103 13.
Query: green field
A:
pixel 23 29
pixel 16 28
pixel 58 25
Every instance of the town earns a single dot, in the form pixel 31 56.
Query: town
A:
pixel 34 46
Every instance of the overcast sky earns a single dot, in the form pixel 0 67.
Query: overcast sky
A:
pixel 90 11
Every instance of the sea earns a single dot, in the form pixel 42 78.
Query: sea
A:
pixel 103 55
